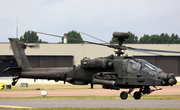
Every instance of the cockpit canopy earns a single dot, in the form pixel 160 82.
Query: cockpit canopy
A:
pixel 140 65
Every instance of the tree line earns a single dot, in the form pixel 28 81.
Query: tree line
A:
pixel 35 38
pixel 164 38
pixel 31 37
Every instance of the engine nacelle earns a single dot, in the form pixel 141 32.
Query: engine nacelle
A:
pixel 87 63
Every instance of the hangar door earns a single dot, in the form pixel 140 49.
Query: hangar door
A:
pixel 36 62
pixel 7 61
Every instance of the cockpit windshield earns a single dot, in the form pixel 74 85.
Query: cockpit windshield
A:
pixel 153 67
pixel 135 66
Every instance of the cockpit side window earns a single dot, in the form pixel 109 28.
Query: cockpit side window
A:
pixel 133 66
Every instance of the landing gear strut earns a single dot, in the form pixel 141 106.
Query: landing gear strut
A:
pixel 143 90
pixel 92 85
pixel 137 95
pixel 15 80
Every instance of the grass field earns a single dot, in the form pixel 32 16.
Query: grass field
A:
pixel 50 87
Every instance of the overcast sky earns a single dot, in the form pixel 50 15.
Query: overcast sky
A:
pixel 99 18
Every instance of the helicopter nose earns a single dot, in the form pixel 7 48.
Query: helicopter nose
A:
pixel 171 79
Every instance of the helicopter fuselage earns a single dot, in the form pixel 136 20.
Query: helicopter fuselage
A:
pixel 112 72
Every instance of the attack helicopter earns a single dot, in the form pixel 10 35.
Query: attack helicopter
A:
pixel 112 72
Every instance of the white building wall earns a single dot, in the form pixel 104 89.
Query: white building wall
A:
pixel 89 50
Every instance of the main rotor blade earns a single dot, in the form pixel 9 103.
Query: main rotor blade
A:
pixel 151 50
pixel 144 52
pixel 70 38
pixel 93 37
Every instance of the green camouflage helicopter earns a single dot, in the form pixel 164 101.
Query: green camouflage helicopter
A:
pixel 112 72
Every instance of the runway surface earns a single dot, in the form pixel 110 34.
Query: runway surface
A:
pixel 93 103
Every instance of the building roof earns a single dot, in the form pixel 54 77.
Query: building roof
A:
pixel 89 50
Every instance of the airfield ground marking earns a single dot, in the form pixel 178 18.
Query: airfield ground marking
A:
pixel 8 106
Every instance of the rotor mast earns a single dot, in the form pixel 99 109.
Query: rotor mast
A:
pixel 121 38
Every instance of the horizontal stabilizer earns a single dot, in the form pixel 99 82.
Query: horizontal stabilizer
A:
pixel 13 70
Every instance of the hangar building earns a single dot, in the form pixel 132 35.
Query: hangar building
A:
pixel 66 55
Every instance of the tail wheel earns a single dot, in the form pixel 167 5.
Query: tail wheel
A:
pixel 13 83
pixel 124 95
pixel 137 95
pixel 15 80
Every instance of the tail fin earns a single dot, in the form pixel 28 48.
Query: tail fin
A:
pixel 20 56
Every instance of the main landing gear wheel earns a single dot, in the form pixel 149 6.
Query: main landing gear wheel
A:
pixel 124 95
pixel 137 95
